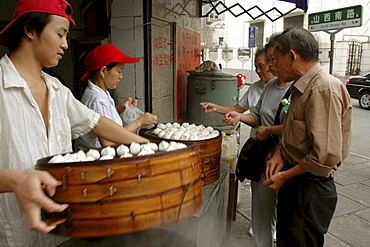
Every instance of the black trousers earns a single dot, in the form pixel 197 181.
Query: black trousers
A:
pixel 306 204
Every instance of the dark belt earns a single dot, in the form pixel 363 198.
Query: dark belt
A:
pixel 308 175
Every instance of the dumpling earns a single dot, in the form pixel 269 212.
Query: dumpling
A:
pixel 77 157
pixel 163 145
pixel 135 148
pixel 106 157
pixel 93 153
pixel 176 136
pixel 154 146
pixel 161 126
pixel 57 159
pixel 209 128
pixel 145 152
pixel 122 149
pixel 161 134
pixel 168 135
pixel 176 125
pixel 126 155
pixel 88 158
pixel 108 151
pixel 156 131
pixel 146 146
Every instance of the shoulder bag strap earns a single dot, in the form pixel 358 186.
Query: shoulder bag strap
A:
pixel 277 116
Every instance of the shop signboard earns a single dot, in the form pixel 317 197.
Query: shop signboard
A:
pixel 335 19
pixel 252 36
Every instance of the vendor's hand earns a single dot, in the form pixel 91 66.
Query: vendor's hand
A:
pixel 262 133
pixel 208 107
pixel 130 101
pixel 32 198
pixel 147 119
pixel 232 118
pixel 274 165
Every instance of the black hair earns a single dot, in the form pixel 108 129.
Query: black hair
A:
pixel 26 23
pixel 301 41
pixel 93 73
pixel 260 51
pixel 111 65
pixel 272 40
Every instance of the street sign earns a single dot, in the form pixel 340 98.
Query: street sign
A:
pixel 335 19
pixel 252 36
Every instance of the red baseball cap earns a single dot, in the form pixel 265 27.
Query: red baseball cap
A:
pixel 103 55
pixel 55 7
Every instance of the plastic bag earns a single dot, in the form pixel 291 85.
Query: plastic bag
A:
pixel 131 113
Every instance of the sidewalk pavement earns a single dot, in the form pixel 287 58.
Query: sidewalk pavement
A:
pixel 350 226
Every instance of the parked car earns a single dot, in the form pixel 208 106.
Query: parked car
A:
pixel 359 88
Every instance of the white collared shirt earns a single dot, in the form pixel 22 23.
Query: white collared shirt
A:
pixel 23 140
pixel 101 102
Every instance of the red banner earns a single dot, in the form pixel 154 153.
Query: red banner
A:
pixel 188 57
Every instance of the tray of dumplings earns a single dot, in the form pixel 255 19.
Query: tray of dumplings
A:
pixel 183 132
pixel 121 151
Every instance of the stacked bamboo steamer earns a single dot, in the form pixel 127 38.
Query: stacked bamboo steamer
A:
pixel 125 195
pixel 207 139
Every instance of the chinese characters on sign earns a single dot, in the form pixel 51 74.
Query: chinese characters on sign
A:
pixel 165 47
pixel 188 49
pixel 335 19
pixel 188 57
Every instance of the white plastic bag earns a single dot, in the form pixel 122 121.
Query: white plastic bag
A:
pixel 131 113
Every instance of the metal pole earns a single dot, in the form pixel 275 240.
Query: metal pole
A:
pixel 332 38
pixel 251 53
pixel 331 53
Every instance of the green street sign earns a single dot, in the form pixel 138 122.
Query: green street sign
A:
pixel 335 19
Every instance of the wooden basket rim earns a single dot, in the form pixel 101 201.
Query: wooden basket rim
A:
pixel 43 162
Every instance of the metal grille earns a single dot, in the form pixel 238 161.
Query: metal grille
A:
pixel 221 8
pixel 354 58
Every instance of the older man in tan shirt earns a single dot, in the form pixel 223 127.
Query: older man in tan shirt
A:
pixel 315 140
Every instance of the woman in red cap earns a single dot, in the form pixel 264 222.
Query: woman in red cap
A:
pixel 104 70
pixel 39 117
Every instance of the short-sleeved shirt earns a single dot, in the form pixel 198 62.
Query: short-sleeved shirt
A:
pixel 101 102
pixel 265 111
pixel 253 94
pixel 24 140
pixel 317 128
pixel 250 98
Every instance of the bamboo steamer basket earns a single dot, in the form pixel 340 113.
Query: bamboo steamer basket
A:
pixel 126 195
pixel 210 155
